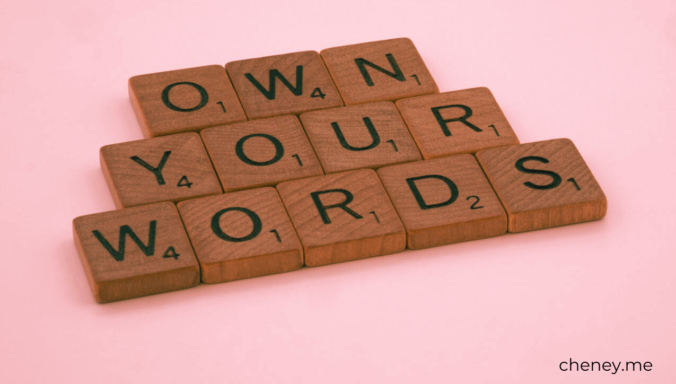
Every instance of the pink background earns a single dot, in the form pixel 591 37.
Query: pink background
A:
pixel 507 309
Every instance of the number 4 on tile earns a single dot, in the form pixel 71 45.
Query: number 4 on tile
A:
pixel 171 253
pixel 318 93
pixel 184 182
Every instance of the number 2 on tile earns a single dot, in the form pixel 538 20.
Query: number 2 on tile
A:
pixel 473 206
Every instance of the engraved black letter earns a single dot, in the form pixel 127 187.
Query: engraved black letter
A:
pixel 270 95
pixel 322 208
pixel 279 149
pixel 397 74
pixel 463 119
pixel 372 131
pixel 216 225
pixel 556 179
pixel 418 196
pixel 156 171
pixel 125 230
pixel 204 97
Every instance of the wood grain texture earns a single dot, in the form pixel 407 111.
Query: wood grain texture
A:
pixel 458 122
pixel 261 153
pixel 341 217
pixel 543 184
pixel 170 168
pixel 444 201
pixel 378 71
pixel 135 252
pixel 184 100
pixel 241 235
pixel 283 84
pixel 361 136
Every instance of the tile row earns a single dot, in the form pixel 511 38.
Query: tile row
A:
pixel 268 151
pixel 332 218
pixel 320 156
pixel 196 98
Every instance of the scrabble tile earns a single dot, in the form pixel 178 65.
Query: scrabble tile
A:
pixel 543 184
pixel 378 71
pixel 453 123
pixel 444 201
pixel 184 100
pixel 135 252
pixel 241 234
pixel 169 168
pixel 284 84
pixel 261 153
pixel 343 216
pixel 360 136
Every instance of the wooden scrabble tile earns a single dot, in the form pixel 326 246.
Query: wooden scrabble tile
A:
pixel 184 100
pixel 341 217
pixel 444 201
pixel 261 153
pixel 283 84
pixel 169 168
pixel 378 71
pixel 135 252
pixel 543 184
pixel 241 235
pixel 456 122
pixel 361 136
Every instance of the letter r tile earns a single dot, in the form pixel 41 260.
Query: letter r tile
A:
pixel 135 252
pixel 283 84
pixel 184 100
pixel 457 122
pixel 242 234
pixel 343 216
pixel 444 201
pixel 385 70
pixel 543 184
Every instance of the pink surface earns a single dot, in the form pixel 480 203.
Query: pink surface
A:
pixel 507 309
